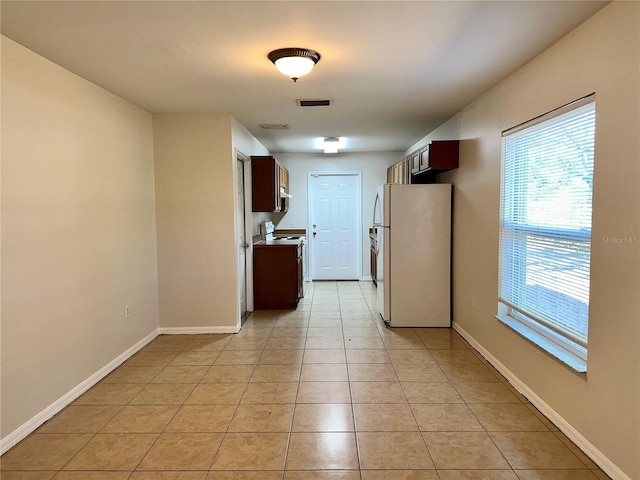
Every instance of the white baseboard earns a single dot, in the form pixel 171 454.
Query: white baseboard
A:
pixel 28 427
pixel 198 330
pixel 366 278
pixel 565 427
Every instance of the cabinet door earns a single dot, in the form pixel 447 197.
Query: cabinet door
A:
pixel 424 159
pixel 284 184
pixel 444 155
pixel 415 162
pixel 264 184
pixel 276 276
pixel 406 171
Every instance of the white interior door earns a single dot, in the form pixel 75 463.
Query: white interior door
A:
pixel 242 238
pixel 335 225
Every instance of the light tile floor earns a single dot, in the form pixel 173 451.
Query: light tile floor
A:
pixel 323 392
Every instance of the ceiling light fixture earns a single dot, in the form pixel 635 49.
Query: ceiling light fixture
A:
pixel 294 62
pixel 331 144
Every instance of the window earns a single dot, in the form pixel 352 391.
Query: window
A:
pixel 545 230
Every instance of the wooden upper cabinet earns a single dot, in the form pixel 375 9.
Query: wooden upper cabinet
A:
pixel 400 172
pixel 439 156
pixel 423 165
pixel 268 179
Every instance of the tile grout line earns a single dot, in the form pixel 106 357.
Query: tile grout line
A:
pixel 224 434
pixel 353 413
pixel 172 417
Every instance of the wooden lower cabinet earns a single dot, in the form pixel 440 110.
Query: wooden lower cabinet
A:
pixel 277 276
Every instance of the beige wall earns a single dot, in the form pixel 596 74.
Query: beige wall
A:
pixel 602 56
pixel 196 221
pixel 78 231
pixel 374 173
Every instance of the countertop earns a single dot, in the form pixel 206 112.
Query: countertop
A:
pixel 275 243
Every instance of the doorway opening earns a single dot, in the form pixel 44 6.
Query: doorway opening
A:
pixel 241 241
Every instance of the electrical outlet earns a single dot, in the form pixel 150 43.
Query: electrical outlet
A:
pixel 127 311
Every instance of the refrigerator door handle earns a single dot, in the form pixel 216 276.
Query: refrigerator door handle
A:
pixel 375 206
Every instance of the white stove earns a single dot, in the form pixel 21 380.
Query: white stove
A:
pixel 267 230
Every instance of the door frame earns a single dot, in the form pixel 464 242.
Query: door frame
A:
pixel 334 173
pixel 248 254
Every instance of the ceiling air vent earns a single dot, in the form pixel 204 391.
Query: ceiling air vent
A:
pixel 313 102
pixel 274 126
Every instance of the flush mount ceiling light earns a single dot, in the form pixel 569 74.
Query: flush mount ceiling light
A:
pixel 331 144
pixel 294 62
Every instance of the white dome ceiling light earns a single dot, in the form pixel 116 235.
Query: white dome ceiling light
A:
pixel 294 62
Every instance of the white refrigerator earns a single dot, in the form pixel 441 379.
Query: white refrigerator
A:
pixel 414 254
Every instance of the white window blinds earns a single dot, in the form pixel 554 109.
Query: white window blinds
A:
pixel 545 231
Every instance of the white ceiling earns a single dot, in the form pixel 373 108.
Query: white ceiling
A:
pixel 395 70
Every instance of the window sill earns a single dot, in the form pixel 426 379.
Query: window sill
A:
pixel 569 359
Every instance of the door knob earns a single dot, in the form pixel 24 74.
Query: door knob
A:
pixel 245 245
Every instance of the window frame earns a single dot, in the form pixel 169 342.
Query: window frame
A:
pixel 564 345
